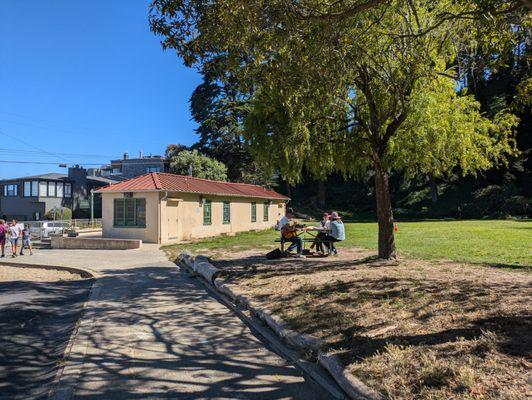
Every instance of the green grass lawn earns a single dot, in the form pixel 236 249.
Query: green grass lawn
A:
pixel 495 242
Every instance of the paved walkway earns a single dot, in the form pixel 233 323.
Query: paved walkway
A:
pixel 151 332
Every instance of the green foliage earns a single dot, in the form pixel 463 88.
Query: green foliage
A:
pixel 201 166
pixel 67 214
pixel 445 129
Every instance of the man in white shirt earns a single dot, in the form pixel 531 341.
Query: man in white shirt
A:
pixel 15 232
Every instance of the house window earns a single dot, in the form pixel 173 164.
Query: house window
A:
pixel 34 188
pixel 253 212
pixel 153 169
pixel 27 189
pixel 59 189
pixel 207 212
pixel 51 189
pixel 11 190
pixel 43 189
pixel 266 211
pixel 130 213
pixel 227 212
pixel 68 190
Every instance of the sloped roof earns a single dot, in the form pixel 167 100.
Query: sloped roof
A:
pixel 158 181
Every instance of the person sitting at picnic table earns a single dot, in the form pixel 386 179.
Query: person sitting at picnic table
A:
pixel 288 229
pixel 337 233
pixel 323 227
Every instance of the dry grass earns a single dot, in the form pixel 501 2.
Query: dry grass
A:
pixel 414 329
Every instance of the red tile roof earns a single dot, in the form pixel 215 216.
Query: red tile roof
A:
pixel 158 181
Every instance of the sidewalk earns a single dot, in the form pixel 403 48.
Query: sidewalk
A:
pixel 150 332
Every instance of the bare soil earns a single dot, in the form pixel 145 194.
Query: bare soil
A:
pixel 413 329
pixel 9 273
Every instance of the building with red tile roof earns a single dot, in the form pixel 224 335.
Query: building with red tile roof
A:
pixel 160 207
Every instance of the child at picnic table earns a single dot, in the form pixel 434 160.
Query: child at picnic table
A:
pixel 323 228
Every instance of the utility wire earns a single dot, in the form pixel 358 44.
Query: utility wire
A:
pixel 35 147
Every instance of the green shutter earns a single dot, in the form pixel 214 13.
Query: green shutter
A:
pixel 253 212
pixel 207 213
pixel 266 211
pixel 227 212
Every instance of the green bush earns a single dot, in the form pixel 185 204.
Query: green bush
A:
pixel 67 214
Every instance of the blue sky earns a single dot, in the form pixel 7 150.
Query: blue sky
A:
pixel 87 79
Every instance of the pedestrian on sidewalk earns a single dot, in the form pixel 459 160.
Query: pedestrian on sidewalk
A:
pixel 26 240
pixel 15 233
pixel 3 233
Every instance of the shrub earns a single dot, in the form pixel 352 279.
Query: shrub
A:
pixel 67 214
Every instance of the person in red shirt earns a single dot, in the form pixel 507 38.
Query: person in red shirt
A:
pixel 3 231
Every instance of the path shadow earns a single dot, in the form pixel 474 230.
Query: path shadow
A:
pixel 158 334
pixel 36 322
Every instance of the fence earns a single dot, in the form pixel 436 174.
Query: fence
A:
pixel 44 229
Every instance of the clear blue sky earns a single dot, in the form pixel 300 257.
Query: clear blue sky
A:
pixel 87 78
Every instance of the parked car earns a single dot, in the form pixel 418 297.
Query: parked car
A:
pixel 48 228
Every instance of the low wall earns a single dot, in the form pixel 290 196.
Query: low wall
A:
pixel 59 242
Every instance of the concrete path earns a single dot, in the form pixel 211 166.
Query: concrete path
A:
pixel 151 332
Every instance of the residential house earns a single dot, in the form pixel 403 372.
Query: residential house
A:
pixel 31 197
pixel 127 168
pixel 162 207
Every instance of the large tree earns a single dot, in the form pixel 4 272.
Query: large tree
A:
pixel 352 86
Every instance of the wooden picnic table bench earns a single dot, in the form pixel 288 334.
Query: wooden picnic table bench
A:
pixel 312 239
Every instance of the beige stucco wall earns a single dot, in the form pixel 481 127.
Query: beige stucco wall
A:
pixel 183 219
pixel 150 234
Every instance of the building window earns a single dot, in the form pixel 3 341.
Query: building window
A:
pixel 27 189
pixel 11 190
pixel 253 212
pixel 153 169
pixel 266 211
pixel 68 190
pixel 59 189
pixel 207 212
pixel 227 212
pixel 34 188
pixel 130 213
pixel 43 189
pixel 51 189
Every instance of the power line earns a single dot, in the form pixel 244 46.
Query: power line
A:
pixel 31 145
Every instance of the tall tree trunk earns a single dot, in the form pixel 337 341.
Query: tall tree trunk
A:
pixel 321 193
pixel 384 212
pixel 433 188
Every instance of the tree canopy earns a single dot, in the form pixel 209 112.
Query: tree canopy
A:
pixel 192 162
pixel 352 86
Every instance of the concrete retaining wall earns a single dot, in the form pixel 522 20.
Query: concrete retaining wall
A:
pixel 95 243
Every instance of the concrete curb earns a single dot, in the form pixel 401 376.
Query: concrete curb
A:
pixel 81 272
pixel 309 344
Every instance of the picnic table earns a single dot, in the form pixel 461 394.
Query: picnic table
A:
pixel 312 239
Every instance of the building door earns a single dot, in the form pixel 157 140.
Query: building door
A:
pixel 172 220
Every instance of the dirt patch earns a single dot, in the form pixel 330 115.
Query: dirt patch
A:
pixel 412 329
pixel 9 273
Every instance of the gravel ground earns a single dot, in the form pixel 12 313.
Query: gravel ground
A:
pixel 9 273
